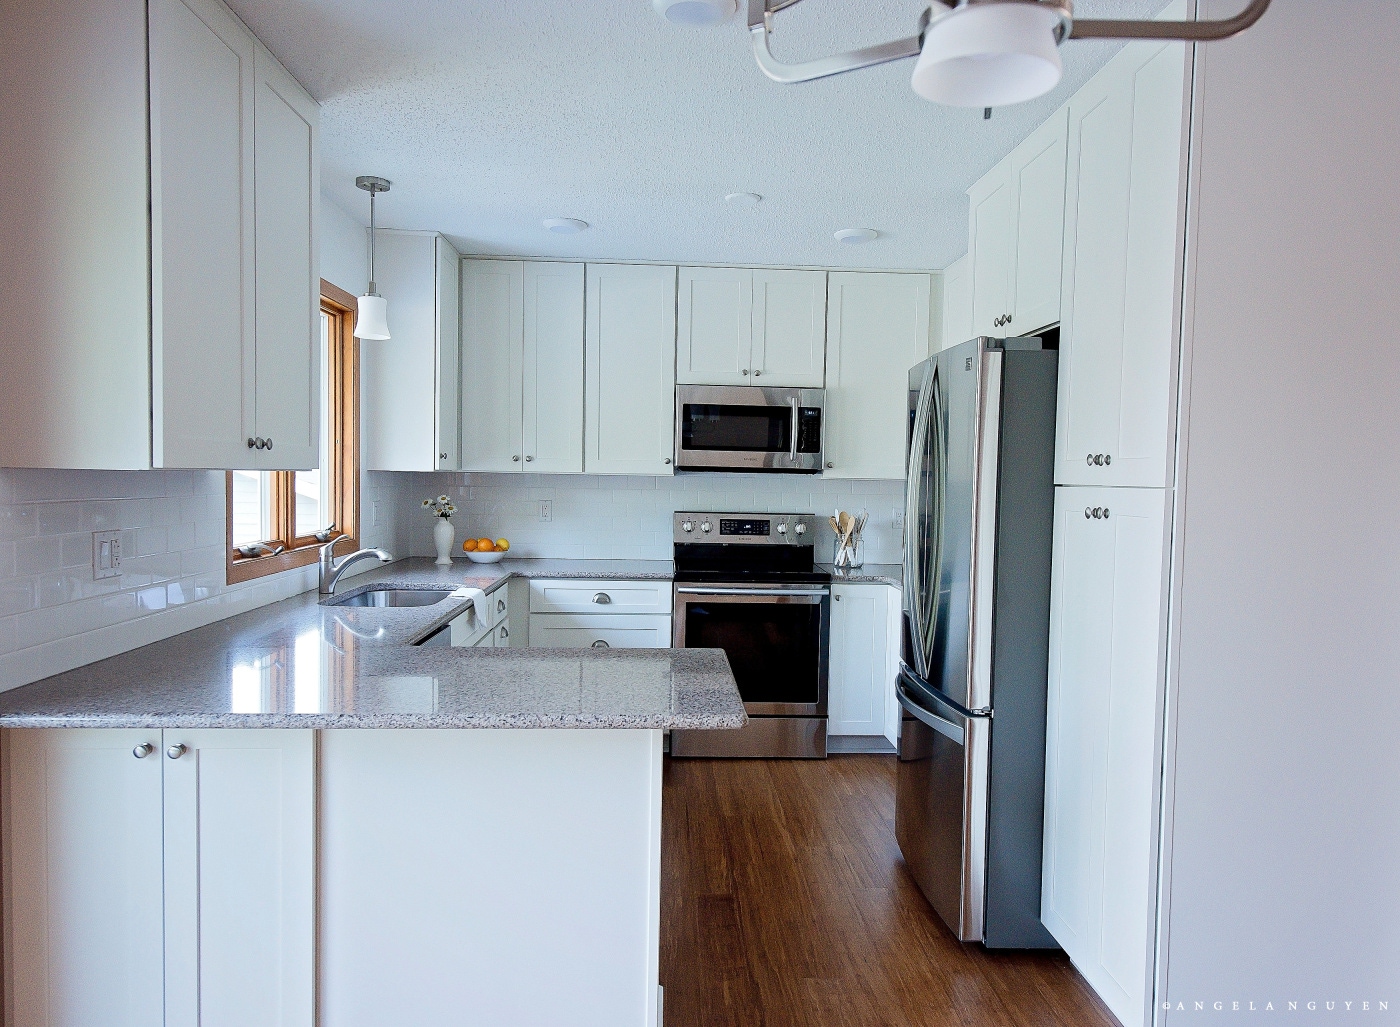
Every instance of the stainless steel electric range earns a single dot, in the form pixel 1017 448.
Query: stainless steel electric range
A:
pixel 748 584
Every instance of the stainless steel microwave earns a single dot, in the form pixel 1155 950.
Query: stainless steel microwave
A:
pixel 748 428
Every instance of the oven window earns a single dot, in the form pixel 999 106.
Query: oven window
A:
pixel 735 429
pixel 773 648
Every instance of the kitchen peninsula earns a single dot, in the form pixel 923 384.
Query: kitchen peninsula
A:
pixel 277 818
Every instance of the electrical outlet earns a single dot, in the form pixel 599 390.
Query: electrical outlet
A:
pixel 898 519
pixel 106 554
pixel 546 510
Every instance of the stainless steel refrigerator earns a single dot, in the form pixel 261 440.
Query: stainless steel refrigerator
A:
pixel 979 512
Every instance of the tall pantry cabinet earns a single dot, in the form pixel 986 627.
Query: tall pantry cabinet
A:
pixel 1115 447
pixel 169 320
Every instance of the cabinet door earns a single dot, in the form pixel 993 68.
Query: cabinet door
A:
pixel 990 251
pixel 1123 231
pixel 492 332
pixel 553 367
pixel 203 332
pixel 630 372
pixel 599 631
pixel 714 326
pixel 449 355
pixel 399 376
pixel 957 303
pixel 287 180
pixel 789 329
pixel 1038 222
pixel 878 328
pixel 1103 744
pixel 240 862
pixel 856 700
pixel 82 864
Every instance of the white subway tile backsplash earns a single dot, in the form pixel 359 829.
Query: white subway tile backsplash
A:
pixel 36 555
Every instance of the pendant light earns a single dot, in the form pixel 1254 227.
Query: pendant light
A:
pixel 985 53
pixel 372 310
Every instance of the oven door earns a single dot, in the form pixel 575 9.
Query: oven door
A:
pixel 745 428
pixel 777 640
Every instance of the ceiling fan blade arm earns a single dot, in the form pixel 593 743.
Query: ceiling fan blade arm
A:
pixel 1191 31
pixel 760 23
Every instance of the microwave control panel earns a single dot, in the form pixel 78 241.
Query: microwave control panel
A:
pixel 809 430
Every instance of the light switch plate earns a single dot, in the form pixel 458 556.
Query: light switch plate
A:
pixel 106 554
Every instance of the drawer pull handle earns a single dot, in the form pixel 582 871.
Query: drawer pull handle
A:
pixel 602 599
pixel 500 606
pixel 600 644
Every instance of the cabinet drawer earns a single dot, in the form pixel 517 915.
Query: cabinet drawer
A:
pixel 468 629
pixel 499 605
pixel 614 631
pixel 594 597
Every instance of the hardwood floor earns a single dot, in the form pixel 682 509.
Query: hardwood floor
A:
pixel 785 903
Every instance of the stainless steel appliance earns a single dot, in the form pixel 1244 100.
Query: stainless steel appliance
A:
pixel 748 584
pixel 980 491
pixel 746 428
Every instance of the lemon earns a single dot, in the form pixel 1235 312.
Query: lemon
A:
pixel 502 544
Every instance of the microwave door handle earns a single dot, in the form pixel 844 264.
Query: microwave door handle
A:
pixel 792 435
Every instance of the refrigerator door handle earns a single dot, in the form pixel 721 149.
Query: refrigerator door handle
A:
pixel 944 727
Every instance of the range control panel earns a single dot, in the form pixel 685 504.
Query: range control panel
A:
pixel 777 529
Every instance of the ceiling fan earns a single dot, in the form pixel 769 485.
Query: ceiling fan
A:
pixel 971 53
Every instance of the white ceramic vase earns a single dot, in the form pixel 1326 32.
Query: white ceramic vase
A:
pixel 443 537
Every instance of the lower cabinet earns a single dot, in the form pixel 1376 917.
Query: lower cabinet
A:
pixel 864 661
pixel 468 631
pixel 599 631
pixel 160 876
pixel 1103 742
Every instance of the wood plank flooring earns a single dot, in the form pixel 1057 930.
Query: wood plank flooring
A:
pixel 785 903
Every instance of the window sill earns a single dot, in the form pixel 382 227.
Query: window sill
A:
pixel 244 568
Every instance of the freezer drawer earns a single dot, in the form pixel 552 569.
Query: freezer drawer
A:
pixel 941 807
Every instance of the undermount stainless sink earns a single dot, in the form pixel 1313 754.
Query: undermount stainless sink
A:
pixel 394 597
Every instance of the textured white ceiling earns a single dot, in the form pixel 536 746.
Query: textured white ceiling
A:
pixel 490 115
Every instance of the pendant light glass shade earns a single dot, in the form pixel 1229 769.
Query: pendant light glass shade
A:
pixel 372 317
pixel 990 53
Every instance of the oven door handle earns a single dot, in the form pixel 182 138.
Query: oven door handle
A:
pixel 753 591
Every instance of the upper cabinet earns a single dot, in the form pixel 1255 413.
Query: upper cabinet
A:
pixel 409 383
pixel 522 366
pixel 630 369
pixel 1120 299
pixel 737 326
pixel 877 329
pixel 1015 236
pixel 957 303
pixel 164 283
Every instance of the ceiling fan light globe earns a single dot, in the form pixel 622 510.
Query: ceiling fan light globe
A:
pixel 696 14
pixel 990 54
pixel 372 317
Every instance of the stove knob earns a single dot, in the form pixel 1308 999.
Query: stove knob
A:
pixel 705 526
pixel 782 528
pixel 801 529
pixel 687 525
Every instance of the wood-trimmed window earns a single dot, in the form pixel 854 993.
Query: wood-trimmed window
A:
pixel 278 519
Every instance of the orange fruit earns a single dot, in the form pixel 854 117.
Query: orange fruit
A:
pixel 502 544
pixel 485 545
pixel 469 545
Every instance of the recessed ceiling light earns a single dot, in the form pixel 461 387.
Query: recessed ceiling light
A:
pixel 565 226
pixel 743 199
pixel 852 236
pixel 696 14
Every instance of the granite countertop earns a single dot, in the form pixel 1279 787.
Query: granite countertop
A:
pixel 871 573
pixel 299 664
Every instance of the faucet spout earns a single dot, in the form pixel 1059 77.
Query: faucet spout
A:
pixel 332 569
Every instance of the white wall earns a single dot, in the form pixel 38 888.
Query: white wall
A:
pixel 1284 759
pixel 629 518
pixel 344 248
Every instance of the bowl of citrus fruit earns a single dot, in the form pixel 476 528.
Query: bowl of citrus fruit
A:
pixel 484 550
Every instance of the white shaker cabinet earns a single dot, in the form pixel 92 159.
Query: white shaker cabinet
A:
pixel 737 326
pixel 864 660
pixel 878 327
pixel 112 847
pixel 630 369
pixel 1016 235
pixel 1103 743
pixel 409 383
pixel 522 366
pixel 957 303
pixel 1123 225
